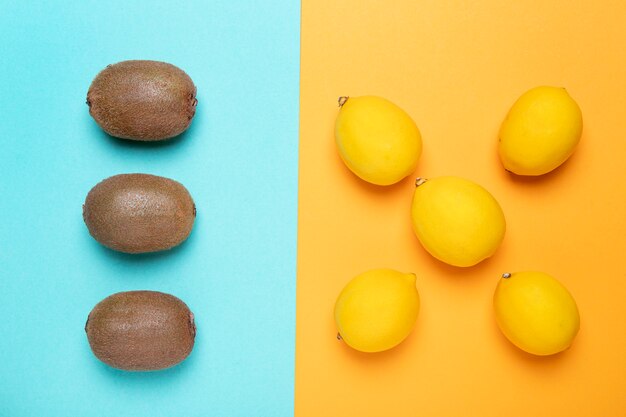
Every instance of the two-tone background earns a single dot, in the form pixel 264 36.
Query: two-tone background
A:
pixel 282 225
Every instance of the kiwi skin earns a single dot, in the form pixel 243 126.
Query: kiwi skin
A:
pixel 139 213
pixel 142 100
pixel 141 330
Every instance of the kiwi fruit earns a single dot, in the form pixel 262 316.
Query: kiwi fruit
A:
pixel 139 213
pixel 141 330
pixel 142 100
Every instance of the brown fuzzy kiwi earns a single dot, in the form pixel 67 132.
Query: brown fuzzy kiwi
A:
pixel 139 213
pixel 142 100
pixel 141 330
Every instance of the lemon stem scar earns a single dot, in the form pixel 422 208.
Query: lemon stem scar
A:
pixel 506 275
pixel 419 181
pixel 339 336
pixel 342 100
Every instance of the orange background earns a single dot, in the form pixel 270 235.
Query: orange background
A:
pixel 456 67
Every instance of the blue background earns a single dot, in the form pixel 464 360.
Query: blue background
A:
pixel 238 160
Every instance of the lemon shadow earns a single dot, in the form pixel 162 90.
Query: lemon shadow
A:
pixel 398 352
pixel 451 271
pixel 365 186
pixel 543 180
pixel 538 362
pixel 372 358
pixel 377 191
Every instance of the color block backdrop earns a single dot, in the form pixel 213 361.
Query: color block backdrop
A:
pixel 273 208
pixel 457 67
pixel 238 160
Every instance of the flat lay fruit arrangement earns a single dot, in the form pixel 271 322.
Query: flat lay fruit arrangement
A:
pixel 313 208
pixel 457 221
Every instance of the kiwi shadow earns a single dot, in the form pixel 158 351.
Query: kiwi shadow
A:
pixel 141 378
pixel 146 257
pixel 126 144
pixel 138 258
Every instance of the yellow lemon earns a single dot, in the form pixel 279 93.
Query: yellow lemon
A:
pixel 536 312
pixel 540 131
pixel 456 220
pixel 377 309
pixel 377 140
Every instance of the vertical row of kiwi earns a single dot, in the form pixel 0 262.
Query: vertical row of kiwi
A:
pixel 140 213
